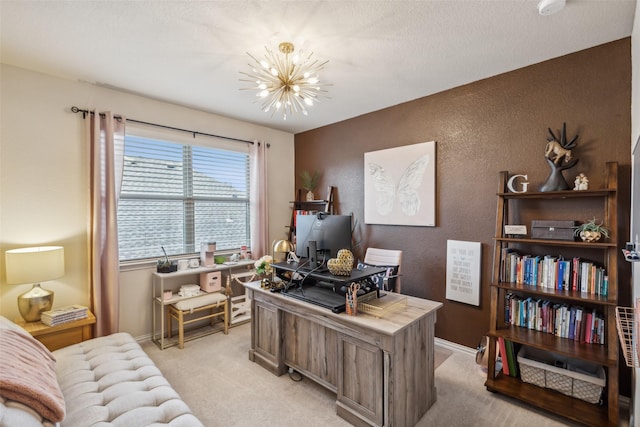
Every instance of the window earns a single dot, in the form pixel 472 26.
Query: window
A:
pixel 177 196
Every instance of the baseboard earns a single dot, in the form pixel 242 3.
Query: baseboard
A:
pixel 143 338
pixel 454 346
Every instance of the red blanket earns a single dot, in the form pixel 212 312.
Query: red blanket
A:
pixel 28 375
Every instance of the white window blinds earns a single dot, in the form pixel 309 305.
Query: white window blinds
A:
pixel 176 196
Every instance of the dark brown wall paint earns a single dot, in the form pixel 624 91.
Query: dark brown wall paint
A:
pixel 495 124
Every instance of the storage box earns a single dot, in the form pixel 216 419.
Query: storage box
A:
pixel 554 230
pixel 576 378
pixel 189 290
pixel 211 282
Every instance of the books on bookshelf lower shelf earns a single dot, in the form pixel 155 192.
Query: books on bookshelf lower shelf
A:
pixel 64 315
pixel 571 321
pixel 572 377
pixel 591 352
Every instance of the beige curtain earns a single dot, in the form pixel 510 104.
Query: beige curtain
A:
pixel 106 140
pixel 259 198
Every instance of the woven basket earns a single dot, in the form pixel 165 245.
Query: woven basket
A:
pixel 576 384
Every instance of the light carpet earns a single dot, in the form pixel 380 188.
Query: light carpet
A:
pixel 215 378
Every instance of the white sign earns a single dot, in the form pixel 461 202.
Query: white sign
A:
pixel 463 271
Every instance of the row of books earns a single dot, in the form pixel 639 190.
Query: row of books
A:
pixel 63 315
pixel 509 356
pixel 562 320
pixel 302 212
pixel 553 272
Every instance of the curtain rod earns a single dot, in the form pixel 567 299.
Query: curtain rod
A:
pixel 75 109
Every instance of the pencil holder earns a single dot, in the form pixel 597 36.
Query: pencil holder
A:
pixel 351 304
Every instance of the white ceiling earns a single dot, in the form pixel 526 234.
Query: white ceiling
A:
pixel 381 53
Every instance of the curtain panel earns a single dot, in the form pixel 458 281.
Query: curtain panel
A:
pixel 259 200
pixel 106 141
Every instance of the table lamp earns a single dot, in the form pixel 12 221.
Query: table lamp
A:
pixel 34 265
pixel 281 246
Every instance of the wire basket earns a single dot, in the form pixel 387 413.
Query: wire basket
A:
pixel 626 327
pixel 380 307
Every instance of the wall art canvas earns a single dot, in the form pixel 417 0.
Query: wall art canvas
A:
pixel 400 185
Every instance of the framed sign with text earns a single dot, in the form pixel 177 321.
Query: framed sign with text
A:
pixel 463 271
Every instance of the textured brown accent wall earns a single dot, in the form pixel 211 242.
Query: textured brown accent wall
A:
pixel 495 124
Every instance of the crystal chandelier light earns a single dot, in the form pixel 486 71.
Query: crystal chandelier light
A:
pixel 286 83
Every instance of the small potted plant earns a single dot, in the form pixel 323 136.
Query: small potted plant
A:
pixel 591 231
pixel 310 182
pixel 164 265
pixel 264 270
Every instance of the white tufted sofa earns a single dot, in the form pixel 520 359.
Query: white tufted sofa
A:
pixel 107 381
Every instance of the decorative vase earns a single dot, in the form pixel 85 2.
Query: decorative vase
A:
pixel 310 196
pixel 590 236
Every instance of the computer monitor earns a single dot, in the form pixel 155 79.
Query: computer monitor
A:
pixel 329 232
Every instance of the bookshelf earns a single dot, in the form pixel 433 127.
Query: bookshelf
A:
pixel 300 204
pixel 518 208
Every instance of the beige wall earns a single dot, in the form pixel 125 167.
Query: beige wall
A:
pixel 44 186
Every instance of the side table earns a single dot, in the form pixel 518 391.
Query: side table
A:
pixel 55 337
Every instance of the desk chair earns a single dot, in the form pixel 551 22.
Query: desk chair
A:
pixel 380 257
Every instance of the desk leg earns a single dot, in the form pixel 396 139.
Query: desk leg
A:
pixel 385 390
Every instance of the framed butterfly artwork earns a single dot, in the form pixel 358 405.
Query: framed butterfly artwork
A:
pixel 400 185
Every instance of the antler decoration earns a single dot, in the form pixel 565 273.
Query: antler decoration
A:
pixel 558 155
pixel 563 138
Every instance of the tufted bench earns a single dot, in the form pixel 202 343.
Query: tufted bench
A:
pixel 107 381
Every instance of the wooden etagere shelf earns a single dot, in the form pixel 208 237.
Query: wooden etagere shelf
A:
pixel 605 254
pixel 324 205
pixel 552 401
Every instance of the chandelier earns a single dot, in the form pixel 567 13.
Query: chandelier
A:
pixel 286 83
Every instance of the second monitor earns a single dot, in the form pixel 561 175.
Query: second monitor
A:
pixel 329 234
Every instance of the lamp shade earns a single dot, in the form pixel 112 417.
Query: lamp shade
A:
pixel 282 246
pixel 34 265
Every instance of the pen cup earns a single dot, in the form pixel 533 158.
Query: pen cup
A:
pixel 351 304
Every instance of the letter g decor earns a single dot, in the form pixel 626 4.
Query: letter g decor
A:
pixel 524 184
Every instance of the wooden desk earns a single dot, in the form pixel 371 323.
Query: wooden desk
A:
pixel 382 370
pixel 55 337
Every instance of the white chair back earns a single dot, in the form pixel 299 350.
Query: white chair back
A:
pixel 376 256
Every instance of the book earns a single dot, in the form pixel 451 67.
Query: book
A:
pixel 511 352
pixel 503 356
pixel 64 315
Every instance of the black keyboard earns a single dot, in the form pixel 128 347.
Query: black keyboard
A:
pixel 319 296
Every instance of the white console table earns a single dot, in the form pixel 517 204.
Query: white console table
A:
pixel 381 369
pixel 173 281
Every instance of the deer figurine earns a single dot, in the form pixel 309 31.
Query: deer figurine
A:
pixel 558 155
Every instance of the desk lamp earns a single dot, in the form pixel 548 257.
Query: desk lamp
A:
pixel 281 246
pixel 34 265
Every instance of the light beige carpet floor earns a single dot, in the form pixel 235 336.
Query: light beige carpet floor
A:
pixel 214 376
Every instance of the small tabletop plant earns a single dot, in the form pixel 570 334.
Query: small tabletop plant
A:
pixel 310 182
pixel 165 265
pixel 591 231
